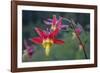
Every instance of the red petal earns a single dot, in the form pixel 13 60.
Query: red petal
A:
pixel 56 41
pixel 40 32
pixel 37 40
pixel 54 20
pixel 54 33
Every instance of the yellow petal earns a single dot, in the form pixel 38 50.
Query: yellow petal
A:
pixel 47 47
pixel 47 44
pixel 47 50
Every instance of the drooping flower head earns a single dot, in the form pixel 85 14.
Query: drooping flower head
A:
pixel 47 39
pixel 29 49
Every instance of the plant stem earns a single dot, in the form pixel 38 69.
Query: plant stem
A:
pixel 83 46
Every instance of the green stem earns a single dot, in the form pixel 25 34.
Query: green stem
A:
pixel 83 46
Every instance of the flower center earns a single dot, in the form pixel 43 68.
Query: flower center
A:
pixel 47 44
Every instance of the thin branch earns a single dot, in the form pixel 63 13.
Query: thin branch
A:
pixel 83 46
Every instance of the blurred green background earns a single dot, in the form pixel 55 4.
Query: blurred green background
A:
pixel 70 49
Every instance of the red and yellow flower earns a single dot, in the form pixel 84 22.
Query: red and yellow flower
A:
pixel 47 39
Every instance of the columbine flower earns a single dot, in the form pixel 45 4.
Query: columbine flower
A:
pixel 47 39
pixel 29 49
pixel 55 23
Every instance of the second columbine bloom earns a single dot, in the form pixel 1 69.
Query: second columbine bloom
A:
pixel 55 23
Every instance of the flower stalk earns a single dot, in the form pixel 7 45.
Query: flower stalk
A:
pixel 77 35
pixel 83 46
